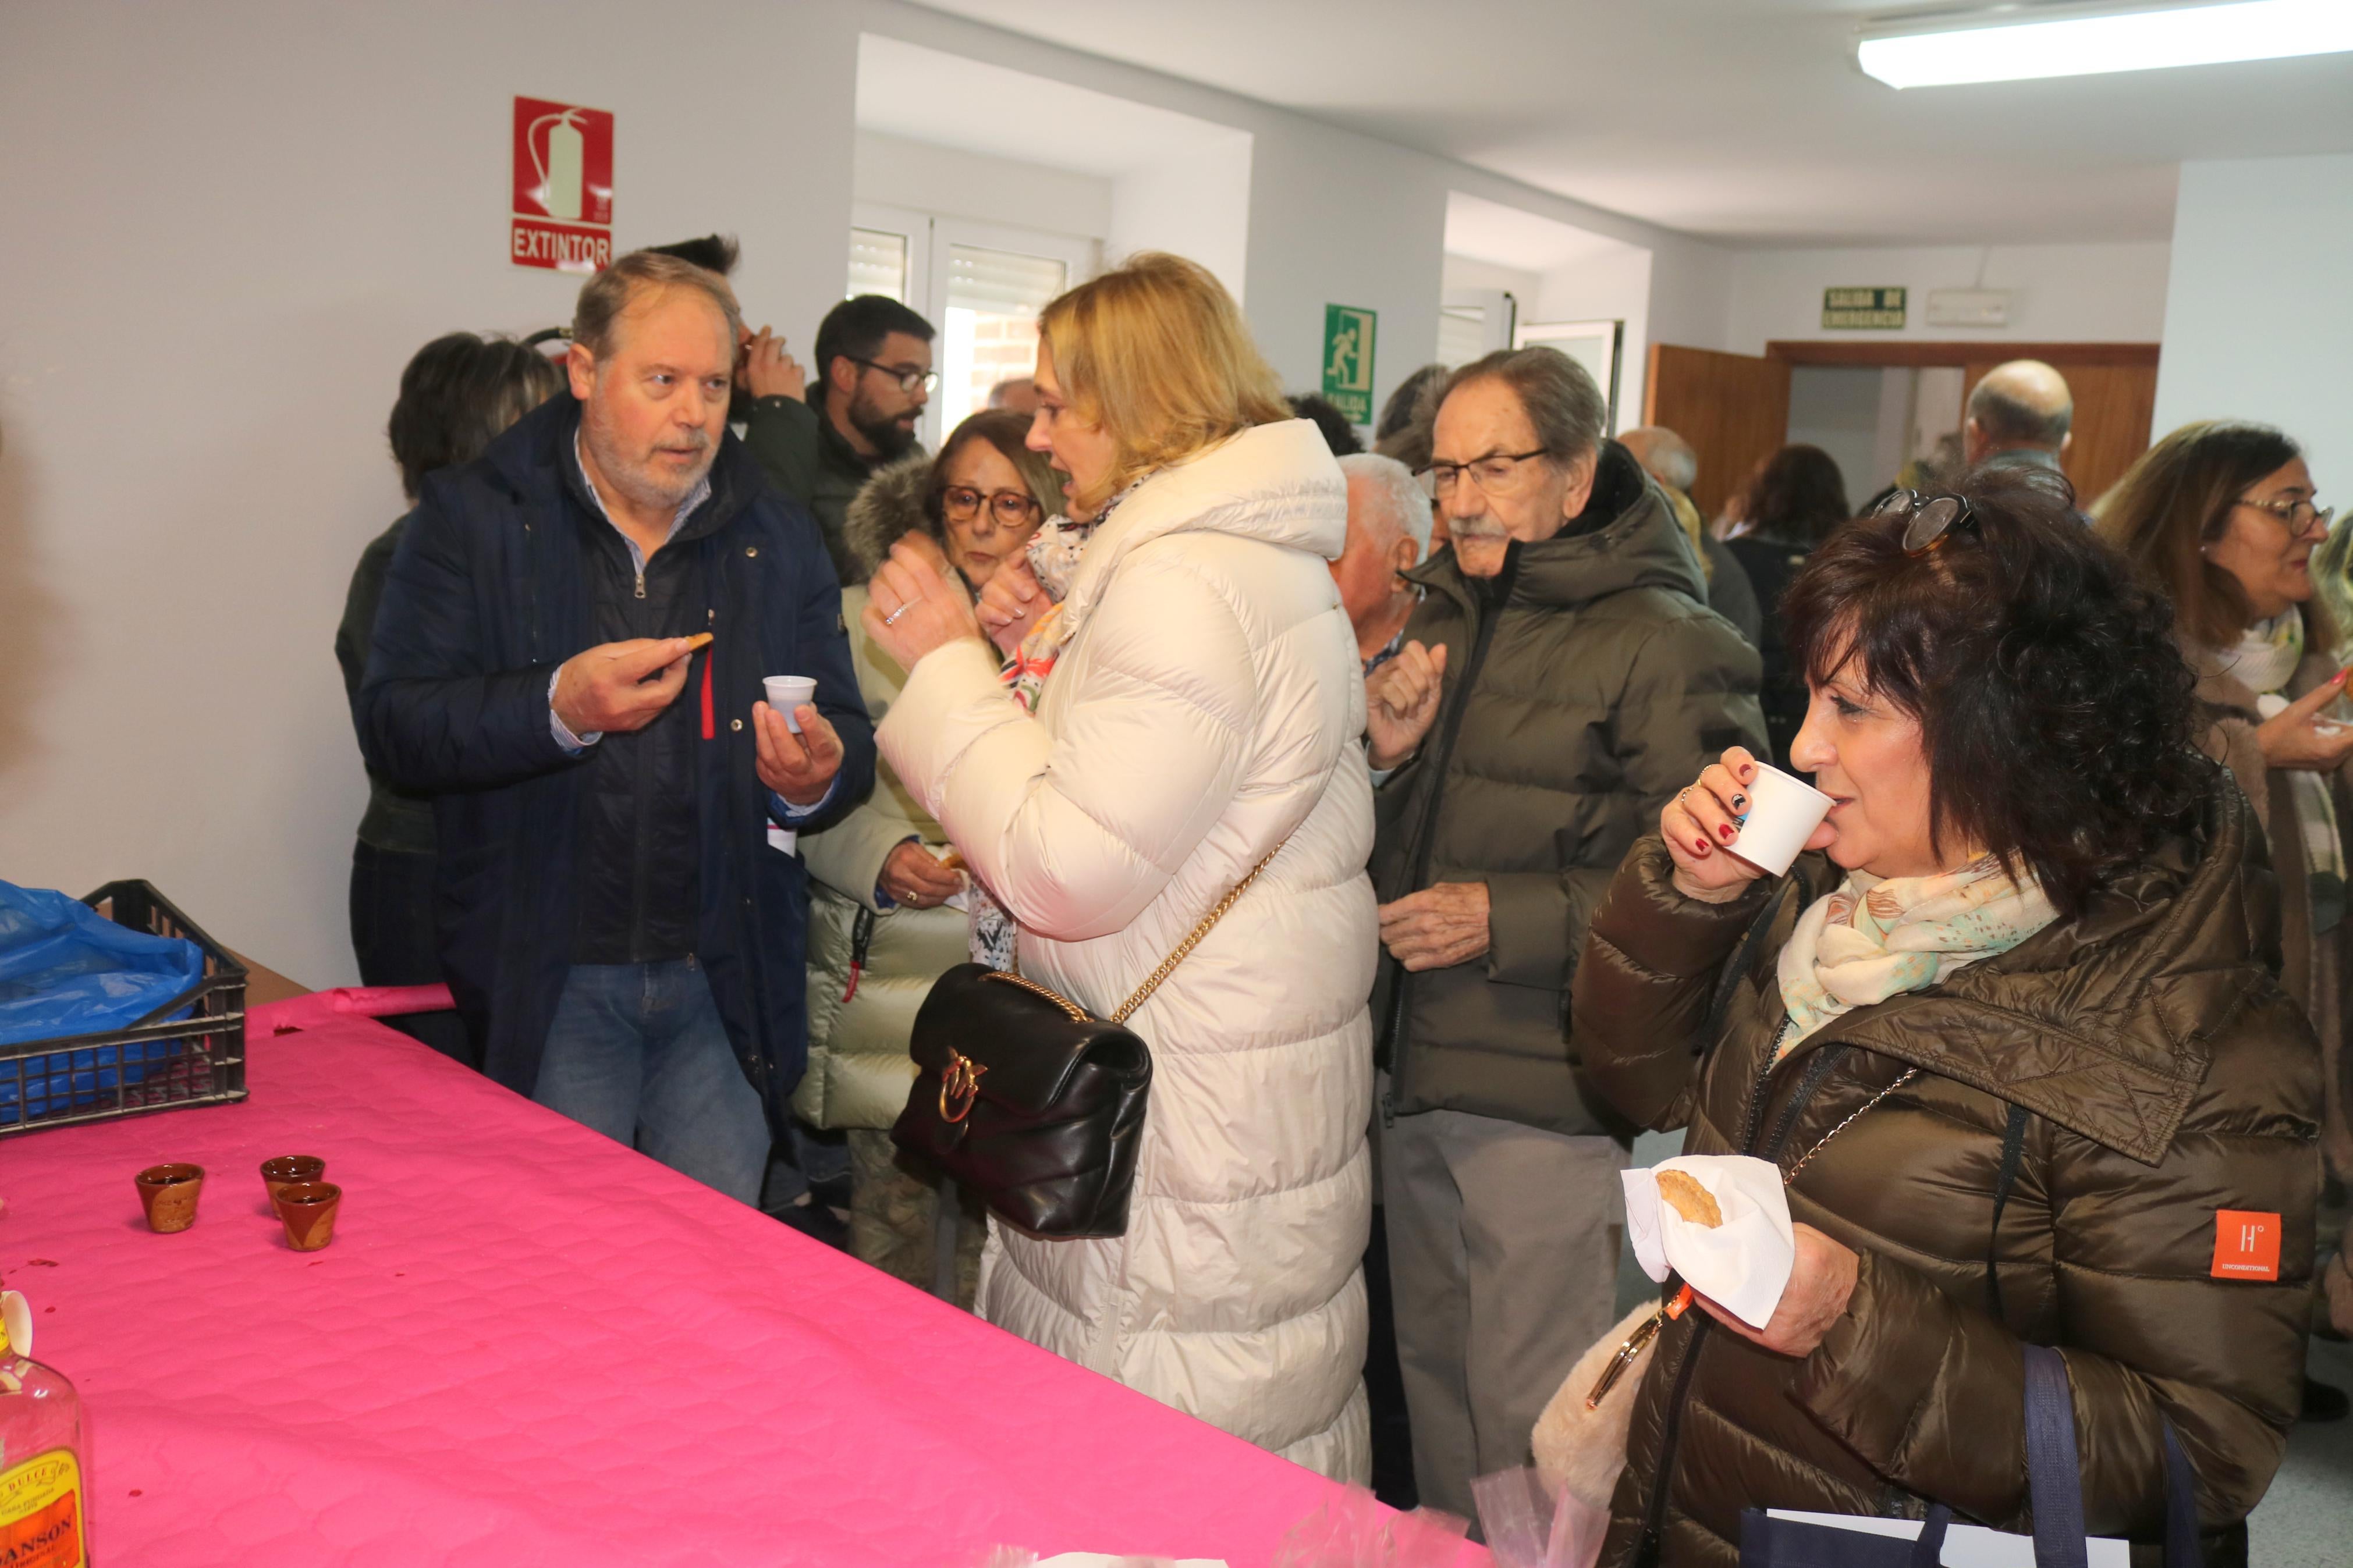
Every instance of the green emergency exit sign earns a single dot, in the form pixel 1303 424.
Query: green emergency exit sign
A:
pixel 1348 361
pixel 1862 307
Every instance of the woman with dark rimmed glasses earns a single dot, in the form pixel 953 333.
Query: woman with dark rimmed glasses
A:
pixel 2223 516
pixel 880 931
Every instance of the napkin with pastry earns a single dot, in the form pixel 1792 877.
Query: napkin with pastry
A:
pixel 1721 1221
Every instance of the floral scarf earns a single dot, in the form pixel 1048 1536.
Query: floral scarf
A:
pixel 2264 661
pixel 1876 938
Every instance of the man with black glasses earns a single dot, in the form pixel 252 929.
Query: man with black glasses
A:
pixel 1560 679
pixel 873 369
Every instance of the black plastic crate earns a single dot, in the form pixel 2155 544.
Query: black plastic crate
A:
pixel 189 1051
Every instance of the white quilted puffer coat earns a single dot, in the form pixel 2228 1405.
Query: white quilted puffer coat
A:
pixel 1207 704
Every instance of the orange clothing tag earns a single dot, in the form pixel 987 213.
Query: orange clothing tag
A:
pixel 2246 1245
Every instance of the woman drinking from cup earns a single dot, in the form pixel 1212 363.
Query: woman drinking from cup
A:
pixel 1199 717
pixel 2011 1038
pixel 880 928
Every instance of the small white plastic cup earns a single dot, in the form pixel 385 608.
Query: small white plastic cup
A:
pixel 1783 813
pixel 786 693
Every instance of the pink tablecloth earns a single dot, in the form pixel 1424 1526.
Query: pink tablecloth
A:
pixel 529 1345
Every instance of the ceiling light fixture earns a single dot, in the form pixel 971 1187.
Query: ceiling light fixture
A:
pixel 2023 43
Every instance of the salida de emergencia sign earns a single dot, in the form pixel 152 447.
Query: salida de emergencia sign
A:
pixel 563 211
pixel 1862 307
pixel 1348 361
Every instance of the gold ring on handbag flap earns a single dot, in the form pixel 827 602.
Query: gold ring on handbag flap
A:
pixel 960 1081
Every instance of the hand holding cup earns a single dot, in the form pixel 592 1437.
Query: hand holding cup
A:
pixel 1738 800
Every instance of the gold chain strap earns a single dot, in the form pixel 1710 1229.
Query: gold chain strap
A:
pixel 1167 965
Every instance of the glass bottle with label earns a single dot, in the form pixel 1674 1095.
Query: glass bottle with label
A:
pixel 43 1486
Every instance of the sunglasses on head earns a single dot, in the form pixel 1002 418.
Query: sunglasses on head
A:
pixel 1928 521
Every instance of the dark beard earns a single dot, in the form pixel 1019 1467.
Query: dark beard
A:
pixel 889 439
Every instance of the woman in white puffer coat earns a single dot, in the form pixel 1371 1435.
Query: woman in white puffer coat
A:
pixel 1203 707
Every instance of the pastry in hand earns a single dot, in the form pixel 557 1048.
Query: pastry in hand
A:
pixel 1689 1199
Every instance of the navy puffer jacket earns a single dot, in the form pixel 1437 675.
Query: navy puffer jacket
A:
pixel 488 593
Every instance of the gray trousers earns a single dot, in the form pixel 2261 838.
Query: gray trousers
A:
pixel 1504 1263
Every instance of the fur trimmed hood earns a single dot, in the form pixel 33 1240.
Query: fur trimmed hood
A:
pixel 888 505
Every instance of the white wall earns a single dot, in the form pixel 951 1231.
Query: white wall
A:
pixel 1612 282
pixel 228 227
pixel 1195 207
pixel 2064 293
pixel 949 181
pixel 2259 322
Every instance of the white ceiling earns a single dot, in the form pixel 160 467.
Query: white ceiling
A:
pixel 905 90
pixel 1739 119
pixel 1509 237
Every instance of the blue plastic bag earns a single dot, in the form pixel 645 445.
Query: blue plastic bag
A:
pixel 65 969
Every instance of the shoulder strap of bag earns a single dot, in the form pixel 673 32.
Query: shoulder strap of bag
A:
pixel 2013 1148
pixel 2054 1476
pixel 1168 965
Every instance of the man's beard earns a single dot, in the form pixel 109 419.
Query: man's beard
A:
pixel 889 438
pixel 640 482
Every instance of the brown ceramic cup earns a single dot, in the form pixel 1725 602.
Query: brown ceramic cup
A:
pixel 168 1193
pixel 307 1209
pixel 288 1169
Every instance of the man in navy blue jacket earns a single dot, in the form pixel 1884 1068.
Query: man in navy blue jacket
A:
pixel 621 912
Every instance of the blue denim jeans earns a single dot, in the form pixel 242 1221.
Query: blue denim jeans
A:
pixel 637 1052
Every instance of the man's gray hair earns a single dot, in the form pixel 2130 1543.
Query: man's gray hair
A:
pixel 1667 457
pixel 1401 494
pixel 606 297
pixel 1563 405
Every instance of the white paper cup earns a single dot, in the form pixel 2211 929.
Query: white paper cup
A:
pixel 1783 813
pixel 787 692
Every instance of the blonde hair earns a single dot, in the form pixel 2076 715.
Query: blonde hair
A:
pixel 1156 355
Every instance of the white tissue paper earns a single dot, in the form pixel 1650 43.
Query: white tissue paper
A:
pixel 1742 1264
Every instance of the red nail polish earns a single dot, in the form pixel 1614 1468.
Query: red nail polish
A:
pixel 1725 833
pixel 1701 845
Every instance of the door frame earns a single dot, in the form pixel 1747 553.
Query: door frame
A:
pixel 1921 353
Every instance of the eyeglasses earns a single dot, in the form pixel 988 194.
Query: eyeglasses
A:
pixel 908 377
pixel 1928 521
pixel 1494 472
pixel 2298 517
pixel 1007 509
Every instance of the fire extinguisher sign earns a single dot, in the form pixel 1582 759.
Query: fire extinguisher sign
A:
pixel 563 212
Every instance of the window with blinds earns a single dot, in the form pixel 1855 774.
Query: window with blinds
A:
pixel 991 331
pixel 878 264
pixel 1462 333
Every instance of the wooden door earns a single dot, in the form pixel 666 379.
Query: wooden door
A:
pixel 1734 409
pixel 2114 405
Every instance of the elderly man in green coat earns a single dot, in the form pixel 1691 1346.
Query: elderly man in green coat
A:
pixel 1561 679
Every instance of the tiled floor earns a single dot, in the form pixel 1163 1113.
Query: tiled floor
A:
pixel 2306 1520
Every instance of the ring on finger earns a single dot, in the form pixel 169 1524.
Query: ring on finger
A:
pixel 893 618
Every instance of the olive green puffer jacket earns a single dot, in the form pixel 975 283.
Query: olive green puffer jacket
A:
pixel 2165 1076
pixel 1600 686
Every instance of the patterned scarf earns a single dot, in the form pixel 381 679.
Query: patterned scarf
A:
pixel 1876 938
pixel 2264 661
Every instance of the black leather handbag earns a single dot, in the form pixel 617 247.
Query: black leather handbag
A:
pixel 1028 1101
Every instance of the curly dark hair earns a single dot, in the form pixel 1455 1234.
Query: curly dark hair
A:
pixel 1798 497
pixel 2054 708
